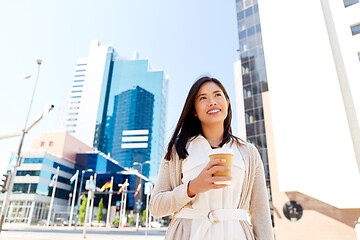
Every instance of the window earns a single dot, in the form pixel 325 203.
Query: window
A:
pixel 51 143
pixel 355 29
pixel 80 75
pixel 75 96
pixel 348 3
pixel 42 144
pixel 81 80
pixel 81 70
pixel 78 86
pixel 81 64
pixel 28 172
pixel 76 91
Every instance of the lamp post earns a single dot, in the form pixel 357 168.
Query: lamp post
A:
pixel 81 182
pixel 18 161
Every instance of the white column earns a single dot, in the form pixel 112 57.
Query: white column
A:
pixel 53 196
pixel 109 204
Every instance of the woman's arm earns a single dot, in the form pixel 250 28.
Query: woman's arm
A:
pixel 259 203
pixel 165 200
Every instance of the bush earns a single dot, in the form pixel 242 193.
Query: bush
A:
pixel 82 209
pixel 143 218
pixel 101 206
pixel 131 219
pixel 116 222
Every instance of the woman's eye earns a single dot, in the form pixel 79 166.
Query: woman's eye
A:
pixel 218 95
pixel 202 98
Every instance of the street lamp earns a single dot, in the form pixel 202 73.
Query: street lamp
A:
pixel 141 165
pixel 18 161
pixel 81 182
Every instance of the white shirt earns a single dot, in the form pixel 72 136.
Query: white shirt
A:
pixel 224 198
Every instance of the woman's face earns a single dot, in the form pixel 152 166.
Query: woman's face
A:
pixel 211 105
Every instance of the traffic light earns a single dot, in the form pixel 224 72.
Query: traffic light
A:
pixel 5 182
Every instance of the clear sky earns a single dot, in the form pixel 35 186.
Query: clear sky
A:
pixel 186 39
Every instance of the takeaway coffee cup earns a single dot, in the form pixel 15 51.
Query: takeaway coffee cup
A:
pixel 226 154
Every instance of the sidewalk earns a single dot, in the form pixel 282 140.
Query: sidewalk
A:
pixel 16 232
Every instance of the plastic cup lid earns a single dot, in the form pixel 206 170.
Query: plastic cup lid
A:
pixel 221 151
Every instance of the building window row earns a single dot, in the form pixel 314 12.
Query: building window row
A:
pixel 82 75
pixel 355 29
pixel 247 12
pixel 348 3
pixel 70 125
pixel 81 64
pixel 77 86
pixel 47 162
pixel 42 144
pixel 80 70
pixel 79 80
pixel 75 96
pixel 73 113
pixel 77 91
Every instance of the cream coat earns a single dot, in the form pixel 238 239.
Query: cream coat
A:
pixel 170 195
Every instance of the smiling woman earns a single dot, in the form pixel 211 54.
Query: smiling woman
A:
pixel 189 185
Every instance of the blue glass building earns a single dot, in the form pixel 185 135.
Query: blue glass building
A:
pixel 132 98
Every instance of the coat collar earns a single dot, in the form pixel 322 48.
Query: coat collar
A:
pixel 200 136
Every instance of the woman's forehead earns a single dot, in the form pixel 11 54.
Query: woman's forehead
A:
pixel 209 87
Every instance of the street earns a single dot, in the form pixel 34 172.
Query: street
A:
pixel 56 233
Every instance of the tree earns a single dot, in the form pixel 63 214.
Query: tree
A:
pixel 82 210
pixel 143 218
pixel 100 214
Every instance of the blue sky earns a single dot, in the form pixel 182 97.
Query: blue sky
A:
pixel 186 39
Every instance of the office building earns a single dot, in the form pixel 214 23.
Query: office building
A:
pixel 106 83
pixel 310 50
pixel 31 194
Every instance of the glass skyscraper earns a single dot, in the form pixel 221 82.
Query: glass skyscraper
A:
pixel 254 80
pixel 118 106
pixel 130 122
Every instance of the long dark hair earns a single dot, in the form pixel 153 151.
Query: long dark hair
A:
pixel 190 126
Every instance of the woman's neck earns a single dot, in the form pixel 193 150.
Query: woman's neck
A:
pixel 213 134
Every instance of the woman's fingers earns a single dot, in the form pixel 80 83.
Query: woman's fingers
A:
pixel 216 169
pixel 221 178
pixel 214 162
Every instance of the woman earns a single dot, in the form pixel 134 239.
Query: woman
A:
pixel 185 185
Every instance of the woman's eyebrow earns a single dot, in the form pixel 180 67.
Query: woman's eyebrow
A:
pixel 201 94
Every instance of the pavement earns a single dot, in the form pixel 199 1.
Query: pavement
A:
pixel 22 232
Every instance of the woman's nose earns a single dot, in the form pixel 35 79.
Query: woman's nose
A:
pixel 212 102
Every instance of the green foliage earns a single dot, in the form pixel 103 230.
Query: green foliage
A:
pixel 82 209
pixel 143 218
pixel 116 222
pixel 101 206
pixel 131 219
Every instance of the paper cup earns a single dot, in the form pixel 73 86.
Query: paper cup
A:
pixel 226 154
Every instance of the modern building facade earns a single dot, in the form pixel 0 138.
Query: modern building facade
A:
pixel 310 112
pixel 251 80
pixel 31 194
pixel 110 87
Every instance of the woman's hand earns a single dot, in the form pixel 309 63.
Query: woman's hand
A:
pixel 205 180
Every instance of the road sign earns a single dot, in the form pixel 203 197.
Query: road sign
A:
pixel 148 188
pixel 90 185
